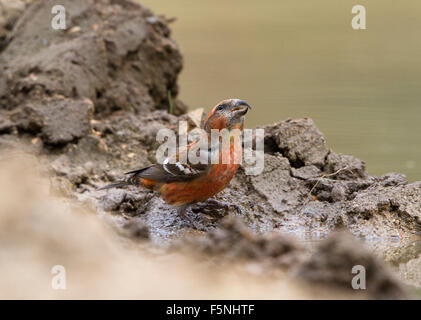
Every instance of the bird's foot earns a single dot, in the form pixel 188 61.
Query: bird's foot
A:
pixel 225 205
pixel 182 213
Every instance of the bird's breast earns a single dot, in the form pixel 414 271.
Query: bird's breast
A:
pixel 200 189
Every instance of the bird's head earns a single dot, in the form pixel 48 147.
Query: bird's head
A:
pixel 227 114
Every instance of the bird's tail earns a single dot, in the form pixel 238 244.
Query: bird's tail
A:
pixel 115 185
pixel 130 181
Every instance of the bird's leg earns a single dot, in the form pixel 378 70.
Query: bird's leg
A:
pixel 225 205
pixel 182 213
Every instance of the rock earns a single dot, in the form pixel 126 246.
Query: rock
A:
pixel 338 193
pixel 299 141
pixel 287 192
pixel 62 167
pixel 58 120
pixel 128 202
pixel 6 126
pixel 394 208
pixel 345 167
pixel 113 199
pixel 334 259
pixel 306 172
pixel 393 179
pixel 66 120
pixel 332 190
pixel 117 59
pixel 234 241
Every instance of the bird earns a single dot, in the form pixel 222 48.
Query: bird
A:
pixel 182 183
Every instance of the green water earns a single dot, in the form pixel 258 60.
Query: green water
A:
pixel 296 58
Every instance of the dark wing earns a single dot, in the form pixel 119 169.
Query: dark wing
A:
pixel 170 172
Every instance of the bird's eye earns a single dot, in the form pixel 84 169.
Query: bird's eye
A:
pixel 220 107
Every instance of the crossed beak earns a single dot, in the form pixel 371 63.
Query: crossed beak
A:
pixel 240 108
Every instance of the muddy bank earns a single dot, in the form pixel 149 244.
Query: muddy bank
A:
pixel 88 101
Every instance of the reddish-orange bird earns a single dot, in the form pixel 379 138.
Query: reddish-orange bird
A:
pixel 182 184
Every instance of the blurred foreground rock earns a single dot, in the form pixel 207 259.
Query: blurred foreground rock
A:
pixel 333 264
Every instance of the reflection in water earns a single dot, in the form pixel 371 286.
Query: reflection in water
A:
pixel 302 59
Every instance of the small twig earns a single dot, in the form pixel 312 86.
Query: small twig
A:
pixel 327 175
pixel 317 183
